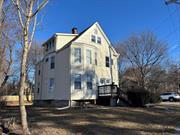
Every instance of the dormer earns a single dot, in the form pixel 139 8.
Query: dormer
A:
pixel 49 45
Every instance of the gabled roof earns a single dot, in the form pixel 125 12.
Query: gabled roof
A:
pixel 80 34
pixel 69 43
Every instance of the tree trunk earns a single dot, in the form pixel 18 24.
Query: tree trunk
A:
pixel 22 87
pixel 1 61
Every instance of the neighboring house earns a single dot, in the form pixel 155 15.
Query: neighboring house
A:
pixel 74 65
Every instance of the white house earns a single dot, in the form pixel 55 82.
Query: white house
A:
pixel 74 65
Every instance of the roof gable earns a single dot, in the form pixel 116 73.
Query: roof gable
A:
pixel 88 32
pixel 84 36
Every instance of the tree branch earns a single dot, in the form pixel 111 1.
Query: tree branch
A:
pixel 43 4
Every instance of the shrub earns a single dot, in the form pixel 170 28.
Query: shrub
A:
pixel 154 97
pixel 138 97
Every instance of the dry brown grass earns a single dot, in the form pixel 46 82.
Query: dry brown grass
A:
pixel 156 120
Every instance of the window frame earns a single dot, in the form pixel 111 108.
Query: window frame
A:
pixel 93 38
pixel 51 84
pixel 89 82
pixel 52 64
pixel 107 61
pixel 77 56
pixel 88 57
pixel 99 41
pixel 95 58
pixel 39 72
pixel 77 81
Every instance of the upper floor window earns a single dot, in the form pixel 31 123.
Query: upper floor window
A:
pixel 51 84
pixel 88 57
pixel 77 81
pixel 95 58
pixel 89 82
pixel 93 38
pixel 47 47
pixel 47 59
pixel 77 55
pixel 107 62
pixel 52 42
pixel 52 62
pixel 98 40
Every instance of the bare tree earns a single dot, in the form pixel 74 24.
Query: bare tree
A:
pixel 27 12
pixel 35 54
pixel 8 28
pixel 143 53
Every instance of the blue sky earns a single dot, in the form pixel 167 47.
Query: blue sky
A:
pixel 118 18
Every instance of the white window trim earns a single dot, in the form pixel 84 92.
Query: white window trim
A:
pixel 51 89
pixel 74 57
pixel 89 81
pixel 90 60
pixel 74 81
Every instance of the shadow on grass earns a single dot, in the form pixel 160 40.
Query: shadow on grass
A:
pixel 99 121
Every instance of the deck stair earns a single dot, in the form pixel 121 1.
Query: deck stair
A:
pixel 112 95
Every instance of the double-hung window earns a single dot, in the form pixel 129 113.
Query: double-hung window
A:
pixel 88 57
pixel 95 58
pixel 98 40
pixel 77 81
pixel 51 84
pixel 107 61
pixel 77 55
pixel 93 38
pixel 52 62
pixel 89 81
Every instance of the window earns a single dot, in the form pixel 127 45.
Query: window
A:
pixel 52 43
pixel 107 81
pixel 93 38
pixel 77 55
pixel 99 40
pixel 52 62
pixel 46 59
pixel 95 58
pixel 47 47
pixel 107 62
pixel 39 72
pixel 89 82
pixel 88 57
pixel 51 84
pixel 77 81
pixel 38 90
pixel 102 81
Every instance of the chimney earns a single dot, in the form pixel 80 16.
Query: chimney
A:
pixel 74 31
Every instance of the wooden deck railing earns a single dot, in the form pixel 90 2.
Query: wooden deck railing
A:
pixel 107 90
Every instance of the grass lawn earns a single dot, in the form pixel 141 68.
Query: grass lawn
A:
pixel 158 120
